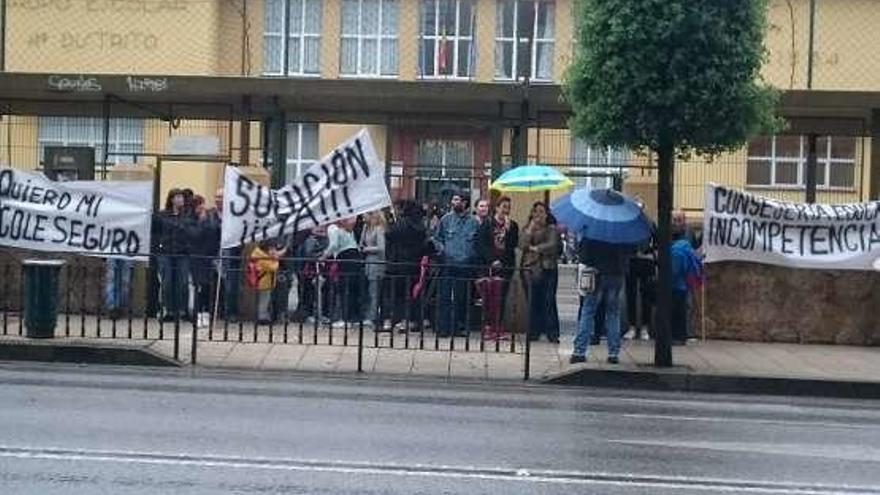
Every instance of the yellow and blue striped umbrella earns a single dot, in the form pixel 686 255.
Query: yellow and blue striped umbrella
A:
pixel 530 178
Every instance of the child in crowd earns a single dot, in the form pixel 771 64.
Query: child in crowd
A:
pixel 264 260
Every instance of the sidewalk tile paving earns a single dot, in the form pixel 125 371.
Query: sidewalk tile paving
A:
pixel 393 361
pixel 741 359
pixel 468 365
pixel 283 357
pixel 432 363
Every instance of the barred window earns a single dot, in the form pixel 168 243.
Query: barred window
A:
pixel 447 38
pixel 369 38
pixel 595 166
pixel 126 138
pixel 780 161
pixel 292 34
pixel 516 22
pixel 302 149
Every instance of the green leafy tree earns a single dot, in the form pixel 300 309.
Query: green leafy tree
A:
pixel 674 77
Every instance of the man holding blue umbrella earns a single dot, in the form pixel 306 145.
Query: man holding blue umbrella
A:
pixel 610 226
pixel 608 263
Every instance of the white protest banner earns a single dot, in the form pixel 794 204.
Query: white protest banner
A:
pixel 746 227
pixel 100 218
pixel 349 181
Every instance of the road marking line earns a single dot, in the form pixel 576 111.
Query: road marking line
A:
pixel 855 453
pixel 440 471
pixel 779 422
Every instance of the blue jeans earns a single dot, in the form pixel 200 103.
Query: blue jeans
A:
pixel 551 308
pixel 174 271
pixel 118 283
pixel 452 300
pixel 374 297
pixel 608 291
pixel 231 270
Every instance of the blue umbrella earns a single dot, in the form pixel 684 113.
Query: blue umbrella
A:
pixel 603 215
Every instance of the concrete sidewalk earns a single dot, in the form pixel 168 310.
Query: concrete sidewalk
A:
pixel 722 366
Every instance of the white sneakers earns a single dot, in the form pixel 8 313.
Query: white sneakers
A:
pixel 203 320
pixel 631 333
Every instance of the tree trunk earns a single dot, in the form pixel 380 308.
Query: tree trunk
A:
pixel 812 170
pixel 663 330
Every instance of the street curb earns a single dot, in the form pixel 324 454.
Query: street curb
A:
pixel 683 380
pixel 53 351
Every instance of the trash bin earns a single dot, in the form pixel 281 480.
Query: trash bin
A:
pixel 41 297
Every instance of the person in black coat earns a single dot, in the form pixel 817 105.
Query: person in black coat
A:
pixel 641 280
pixel 205 246
pixel 406 242
pixel 174 226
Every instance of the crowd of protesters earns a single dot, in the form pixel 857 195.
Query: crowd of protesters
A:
pixel 407 268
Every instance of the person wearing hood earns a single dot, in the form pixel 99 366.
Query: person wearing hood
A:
pixel 406 242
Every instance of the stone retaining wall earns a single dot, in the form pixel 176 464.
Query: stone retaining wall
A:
pixel 764 303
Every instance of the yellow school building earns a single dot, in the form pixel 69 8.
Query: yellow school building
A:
pixel 134 55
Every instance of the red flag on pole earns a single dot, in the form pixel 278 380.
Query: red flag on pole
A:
pixel 442 50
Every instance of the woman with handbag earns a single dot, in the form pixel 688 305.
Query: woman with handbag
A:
pixel 539 243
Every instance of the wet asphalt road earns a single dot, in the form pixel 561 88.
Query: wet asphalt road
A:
pixel 107 430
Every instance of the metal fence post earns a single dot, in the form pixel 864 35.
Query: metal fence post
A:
pixel 527 363
pixel 361 347
pixel 177 339
pixel 195 338
pixel 175 303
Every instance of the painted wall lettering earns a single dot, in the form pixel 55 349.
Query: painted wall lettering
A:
pixel 73 83
pixel 95 41
pixel 147 7
pixel 103 40
pixel 57 5
pixel 138 84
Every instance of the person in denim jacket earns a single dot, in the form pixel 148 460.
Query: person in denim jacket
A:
pixel 455 240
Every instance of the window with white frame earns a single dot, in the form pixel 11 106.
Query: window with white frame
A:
pixel 302 149
pixel 369 38
pixel 291 37
pixel 595 166
pixel 780 161
pixel 516 22
pixel 445 158
pixel 126 138
pixel 447 38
